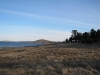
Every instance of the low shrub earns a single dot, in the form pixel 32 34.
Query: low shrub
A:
pixel 95 40
pixel 83 41
pixel 89 41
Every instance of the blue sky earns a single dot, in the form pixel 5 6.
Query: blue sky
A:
pixel 29 20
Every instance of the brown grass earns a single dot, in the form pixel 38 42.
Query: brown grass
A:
pixel 58 59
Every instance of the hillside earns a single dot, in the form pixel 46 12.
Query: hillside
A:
pixel 43 41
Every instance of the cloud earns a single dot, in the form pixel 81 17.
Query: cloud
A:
pixel 52 18
pixel 15 33
pixel 33 37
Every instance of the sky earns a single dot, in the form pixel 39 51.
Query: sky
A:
pixel 30 20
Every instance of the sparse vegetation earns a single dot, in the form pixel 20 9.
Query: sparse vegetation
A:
pixel 57 59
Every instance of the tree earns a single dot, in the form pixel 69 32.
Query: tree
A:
pixel 74 33
pixel 98 33
pixel 66 40
pixel 93 34
pixel 70 39
pixel 86 35
pixel 79 36
pixel 89 41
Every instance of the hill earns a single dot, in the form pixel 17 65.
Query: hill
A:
pixel 44 41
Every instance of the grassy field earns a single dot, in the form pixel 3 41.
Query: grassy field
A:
pixel 58 59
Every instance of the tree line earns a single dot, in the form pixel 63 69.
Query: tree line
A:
pixel 87 37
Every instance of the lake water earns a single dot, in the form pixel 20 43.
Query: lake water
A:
pixel 18 44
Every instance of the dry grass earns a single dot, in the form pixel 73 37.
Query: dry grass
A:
pixel 58 59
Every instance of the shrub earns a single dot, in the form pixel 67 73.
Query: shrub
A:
pixel 89 41
pixel 98 39
pixel 83 40
pixel 95 40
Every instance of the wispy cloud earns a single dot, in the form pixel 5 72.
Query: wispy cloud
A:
pixel 30 34
pixel 52 18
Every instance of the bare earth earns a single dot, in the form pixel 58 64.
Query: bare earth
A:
pixel 58 59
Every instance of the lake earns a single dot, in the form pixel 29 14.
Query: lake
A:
pixel 18 44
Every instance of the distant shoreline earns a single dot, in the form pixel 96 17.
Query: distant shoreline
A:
pixel 18 44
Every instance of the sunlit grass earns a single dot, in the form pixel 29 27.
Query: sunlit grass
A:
pixel 58 59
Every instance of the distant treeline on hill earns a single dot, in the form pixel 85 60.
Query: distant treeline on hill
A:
pixel 87 37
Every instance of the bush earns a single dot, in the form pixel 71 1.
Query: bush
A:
pixel 83 41
pixel 95 40
pixel 98 39
pixel 89 41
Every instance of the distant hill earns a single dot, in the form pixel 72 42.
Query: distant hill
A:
pixel 43 41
